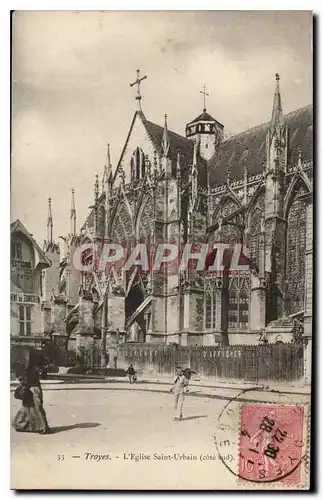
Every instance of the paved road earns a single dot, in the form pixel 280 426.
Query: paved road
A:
pixel 120 422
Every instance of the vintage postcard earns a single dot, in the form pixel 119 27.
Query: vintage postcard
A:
pixel 161 250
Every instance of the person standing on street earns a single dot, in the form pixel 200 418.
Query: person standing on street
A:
pixel 31 417
pixel 131 373
pixel 179 389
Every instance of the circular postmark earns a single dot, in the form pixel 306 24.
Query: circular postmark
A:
pixel 267 440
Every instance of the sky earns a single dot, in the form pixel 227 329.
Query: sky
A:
pixel 71 95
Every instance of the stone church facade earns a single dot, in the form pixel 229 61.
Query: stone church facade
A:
pixel 254 187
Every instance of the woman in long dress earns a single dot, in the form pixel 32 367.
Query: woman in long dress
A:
pixel 31 417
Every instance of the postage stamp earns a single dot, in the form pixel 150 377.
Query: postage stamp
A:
pixel 271 445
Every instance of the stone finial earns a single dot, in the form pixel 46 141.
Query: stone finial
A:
pixel 50 222
pixel 299 159
pixel 165 140
pixel 178 165
pixel 73 214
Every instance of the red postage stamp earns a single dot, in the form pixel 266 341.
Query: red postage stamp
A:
pixel 271 446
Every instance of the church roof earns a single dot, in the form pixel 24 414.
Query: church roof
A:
pixel 205 117
pixel 177 143
pixel 249 147
pixel 18 227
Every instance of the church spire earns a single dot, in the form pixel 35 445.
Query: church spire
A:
pixel 50 222
pixel 96 204
pixel 277 134
pixel 165 140
pixel 73 215
pixel 194 175
pixel 107 168
pixel 277 112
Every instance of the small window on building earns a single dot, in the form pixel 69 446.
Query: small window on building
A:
pixel 24 320
pixel 138 164
pixel 16 250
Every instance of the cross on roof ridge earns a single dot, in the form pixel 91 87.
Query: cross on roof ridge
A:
pixel 137 82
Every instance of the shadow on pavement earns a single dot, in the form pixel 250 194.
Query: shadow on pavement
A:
pixel 193 417
pixel 85 425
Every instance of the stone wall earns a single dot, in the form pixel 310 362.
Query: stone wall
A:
pixel 116 312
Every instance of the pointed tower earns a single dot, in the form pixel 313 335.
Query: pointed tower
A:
pixel 50 223
pixel 73 215
pixel 275 224
pixel 96 205
pixel 107 173
pixel 50 276
pixel 277 135
pixel 165 145
pixel 106 189
pixel 194 176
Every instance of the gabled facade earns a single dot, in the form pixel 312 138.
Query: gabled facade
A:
pixel 254 188
pixel 28 262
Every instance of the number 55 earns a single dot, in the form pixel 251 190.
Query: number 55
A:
pixel 60 457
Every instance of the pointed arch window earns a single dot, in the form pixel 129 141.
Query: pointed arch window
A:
pixel 230 233
pixel 238 306
pixel 295 257
pixel 138 165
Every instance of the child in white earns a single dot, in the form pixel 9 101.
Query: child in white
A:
pixel 179 389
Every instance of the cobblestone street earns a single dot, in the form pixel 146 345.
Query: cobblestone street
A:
pixel 112 428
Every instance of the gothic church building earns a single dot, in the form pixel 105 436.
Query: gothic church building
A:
pixel 254 187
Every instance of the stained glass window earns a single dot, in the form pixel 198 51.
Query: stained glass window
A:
pixel 238 307
pixel 295 257
pixel 229 233
pixel 233 307
pixel 243 308
pixel 121 229
pixel 210 309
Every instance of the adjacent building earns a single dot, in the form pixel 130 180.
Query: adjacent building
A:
pixel 27 263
